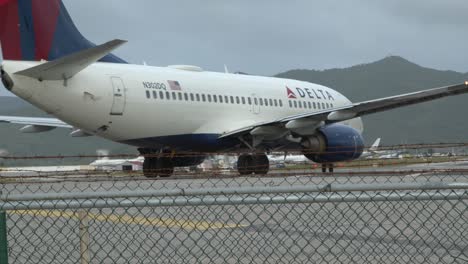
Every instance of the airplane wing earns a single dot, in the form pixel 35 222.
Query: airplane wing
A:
pixel 35 124
pixel 359 109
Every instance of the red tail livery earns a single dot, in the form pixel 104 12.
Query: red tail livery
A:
pixel 40 30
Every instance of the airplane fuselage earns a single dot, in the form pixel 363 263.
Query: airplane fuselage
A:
pixel 182 108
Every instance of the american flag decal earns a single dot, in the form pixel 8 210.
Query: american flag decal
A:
pixel 174 85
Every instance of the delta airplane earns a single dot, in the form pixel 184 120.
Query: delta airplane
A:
pixel 174 115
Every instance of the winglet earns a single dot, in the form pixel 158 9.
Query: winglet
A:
pixel 68 66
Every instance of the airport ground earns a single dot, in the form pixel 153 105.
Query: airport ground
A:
pixel 385 233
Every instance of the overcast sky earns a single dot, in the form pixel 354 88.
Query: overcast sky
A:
pixel 266 37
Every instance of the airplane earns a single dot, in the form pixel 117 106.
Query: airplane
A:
pixel 178 114
pixel 373 150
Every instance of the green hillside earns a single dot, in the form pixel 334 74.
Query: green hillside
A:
pixel 442 120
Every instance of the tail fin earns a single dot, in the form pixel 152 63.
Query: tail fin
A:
pixel 375 146
pixel 40 30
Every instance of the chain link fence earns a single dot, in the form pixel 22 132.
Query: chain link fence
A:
pixel 392 217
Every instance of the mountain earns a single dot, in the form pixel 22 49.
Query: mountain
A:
pixel 441 120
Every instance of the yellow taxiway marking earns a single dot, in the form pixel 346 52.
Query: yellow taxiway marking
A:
pixel 131 219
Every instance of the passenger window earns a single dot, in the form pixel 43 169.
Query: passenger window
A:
pixel 280 103
pixel 203 97
pixel 331 105
pixel 198 97
pixel 313 105
pixel 299 104
pixel 256 101
pixel 168 96
pixel 209 98
pixel 310 106
pixel 148 94
pixel 318 106
pixel 295 104
pixel 215 98
pixel 249 100
pixel 174 96
pixel 220 98
pixel 192 98
pixel 275 102
pixel 232 99
pixel 261 101
pixel 271 102
pixel 323 105
pixel 243 100
pixel 180 96
pixel 237 100
pixel 226 99
pixel 155 95
pixel 161 95
pixel 266 102
pixel 290 103
pixel 186 97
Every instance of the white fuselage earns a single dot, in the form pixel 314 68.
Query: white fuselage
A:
pixel 154 106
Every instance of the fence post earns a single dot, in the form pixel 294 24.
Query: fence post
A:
pixel 3 239
pixel 84 237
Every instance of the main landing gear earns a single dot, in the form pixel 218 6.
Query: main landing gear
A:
pixel 257 163
pixel 324 167
pixel 157 164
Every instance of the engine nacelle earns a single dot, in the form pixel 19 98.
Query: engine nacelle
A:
pixel 333 143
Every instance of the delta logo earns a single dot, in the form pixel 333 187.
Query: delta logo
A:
pixel 291 94
pixel 309 93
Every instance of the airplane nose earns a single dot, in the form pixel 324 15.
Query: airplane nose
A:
pixel 6 79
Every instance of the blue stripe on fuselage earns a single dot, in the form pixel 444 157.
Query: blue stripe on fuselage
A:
pixel 26 30
pixel 187 142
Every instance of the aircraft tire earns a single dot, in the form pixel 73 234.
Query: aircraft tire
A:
pixel 149 168
pixel 164 167
pixel 244 164
pixel 261 164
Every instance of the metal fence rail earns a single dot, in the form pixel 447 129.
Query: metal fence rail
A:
pixel 283 223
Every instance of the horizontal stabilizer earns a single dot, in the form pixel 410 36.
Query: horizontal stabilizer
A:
pixel 68 66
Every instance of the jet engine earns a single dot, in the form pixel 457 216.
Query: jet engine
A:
pixel 333 143
pixel 6 80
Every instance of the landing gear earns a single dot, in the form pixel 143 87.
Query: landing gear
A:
pixel 329 166
pixel 255 163
pixel 157 164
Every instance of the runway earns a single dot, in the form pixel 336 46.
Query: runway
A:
pixel 385 232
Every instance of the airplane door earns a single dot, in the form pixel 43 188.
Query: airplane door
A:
pixel 118 104
pixel 255 106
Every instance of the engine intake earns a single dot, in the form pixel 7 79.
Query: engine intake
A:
pixel 333 143
pixel 6 80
